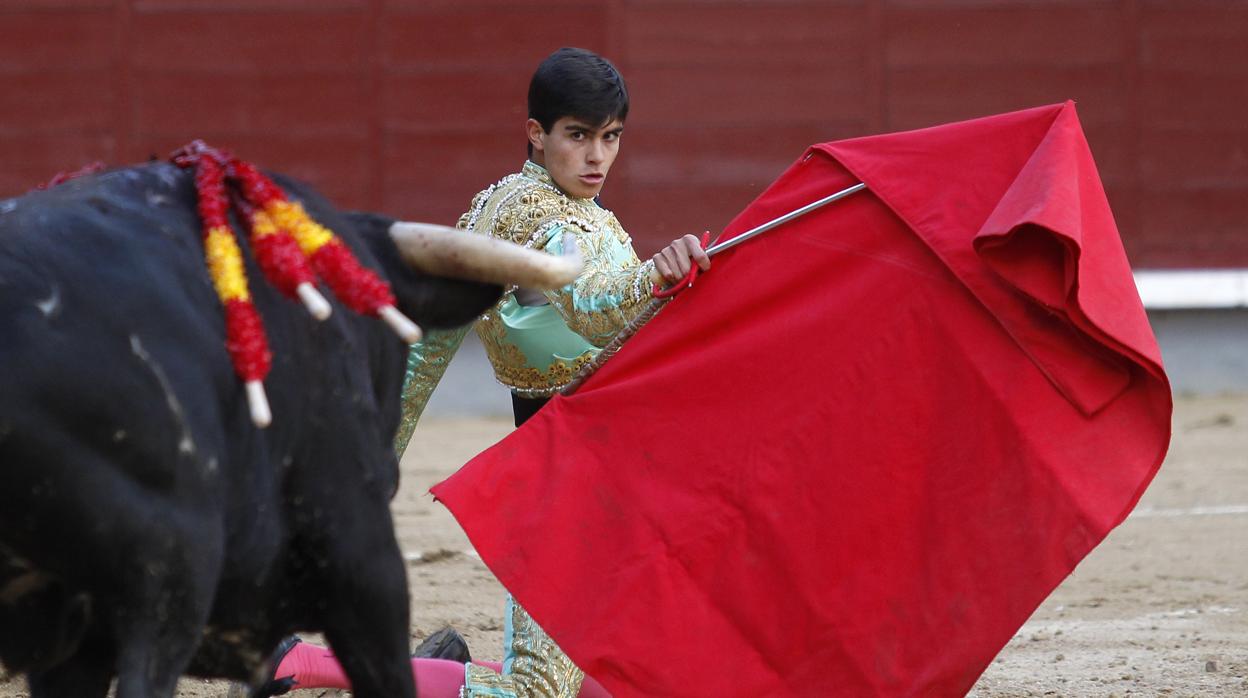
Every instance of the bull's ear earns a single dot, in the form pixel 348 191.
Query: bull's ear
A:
pixel 433 302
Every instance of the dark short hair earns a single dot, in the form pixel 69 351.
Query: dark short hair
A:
pixel 577 83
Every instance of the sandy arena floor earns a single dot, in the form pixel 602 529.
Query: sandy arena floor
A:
pixel 1159 609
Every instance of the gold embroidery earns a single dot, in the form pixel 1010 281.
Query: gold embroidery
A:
pixel 512 370
pixel 528 209
pixel 426 363
pixel 538 668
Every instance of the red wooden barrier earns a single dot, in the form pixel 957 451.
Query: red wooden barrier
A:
pixel 411 106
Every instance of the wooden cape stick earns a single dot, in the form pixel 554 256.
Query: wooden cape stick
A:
pixel 657 304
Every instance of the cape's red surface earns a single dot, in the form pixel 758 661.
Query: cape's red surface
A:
pixel 859 452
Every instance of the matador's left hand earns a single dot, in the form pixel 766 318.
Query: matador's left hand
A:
pixel 674 261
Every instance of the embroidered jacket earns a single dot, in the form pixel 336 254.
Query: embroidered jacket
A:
pixel 536 350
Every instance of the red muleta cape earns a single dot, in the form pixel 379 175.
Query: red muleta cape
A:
pixel 860 451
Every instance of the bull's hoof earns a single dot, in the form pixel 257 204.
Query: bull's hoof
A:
pixel 278 685
pixel 444 644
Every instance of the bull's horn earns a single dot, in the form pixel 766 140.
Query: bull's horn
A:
pixel 443 251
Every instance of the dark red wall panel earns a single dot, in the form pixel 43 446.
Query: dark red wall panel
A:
pixel 438 101
pixel 432 177
pixel 411 106
pixel 58 102
pixel 276 43
pixel 780 35
pixel 68 39
pixel 27 159
pixel 490 34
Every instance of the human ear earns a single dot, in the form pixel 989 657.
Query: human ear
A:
pixel 533 129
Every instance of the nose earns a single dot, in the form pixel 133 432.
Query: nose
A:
pixel 596 151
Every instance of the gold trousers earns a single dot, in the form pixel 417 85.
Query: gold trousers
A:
pixel 533 665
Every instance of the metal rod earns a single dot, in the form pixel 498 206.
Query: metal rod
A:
pixel 715 249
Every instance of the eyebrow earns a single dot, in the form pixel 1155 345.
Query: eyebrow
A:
pixel 579 126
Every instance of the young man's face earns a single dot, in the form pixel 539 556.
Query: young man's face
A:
pixel 577 155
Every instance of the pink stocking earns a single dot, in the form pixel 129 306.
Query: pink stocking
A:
pixel 316 667
pixel 312 667
pixel 440 678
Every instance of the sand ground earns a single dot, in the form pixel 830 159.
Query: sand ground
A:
pixel 1159 609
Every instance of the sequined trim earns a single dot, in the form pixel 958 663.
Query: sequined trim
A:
pixel 535 667
pixel 426 364
pixel 528 209
pixel 511 368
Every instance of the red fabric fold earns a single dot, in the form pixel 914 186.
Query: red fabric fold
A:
pixel 862 449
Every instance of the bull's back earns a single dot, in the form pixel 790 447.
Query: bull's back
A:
pixel 108 424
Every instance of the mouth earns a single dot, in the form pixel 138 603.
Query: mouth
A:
pixel 592 178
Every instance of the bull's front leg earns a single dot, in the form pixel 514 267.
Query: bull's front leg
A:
pixel 158 619
pixel 366 619
pixel 339 507
pixel 140 562
pixel 87 673
pixel 147 625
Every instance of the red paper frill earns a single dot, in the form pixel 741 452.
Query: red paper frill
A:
pixel 245 341
pixel 282 261
pixel 359 288
pixel 210 186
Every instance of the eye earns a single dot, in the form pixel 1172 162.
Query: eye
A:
pixel 578 135
pixel 613 136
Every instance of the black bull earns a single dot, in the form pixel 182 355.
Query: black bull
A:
pixel 147 528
